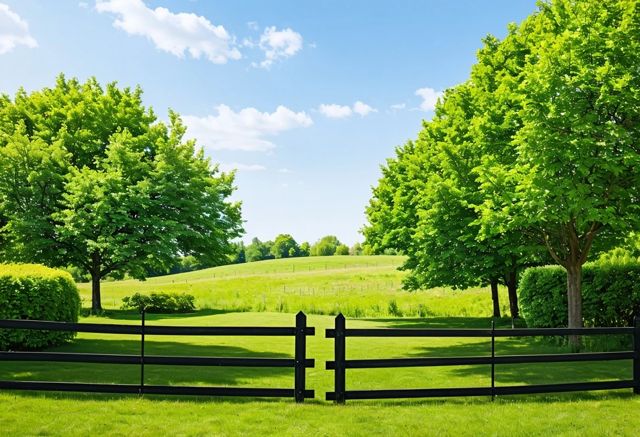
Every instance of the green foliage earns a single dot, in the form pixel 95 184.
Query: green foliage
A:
pixel 610 292
pixel 305 249
pixel 572 179
pixel 284 246
pixel 89 178
pixel 326 246
pixel 536 152
pixel 36 292
pixel 342 249
pixel 160 302
pixel 258 251
pixel 356 250
pixel 238 255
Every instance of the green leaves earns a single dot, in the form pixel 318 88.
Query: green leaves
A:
pixel 89 178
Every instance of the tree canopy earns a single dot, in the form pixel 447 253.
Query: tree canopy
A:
pixel 90 178
pixel 538 150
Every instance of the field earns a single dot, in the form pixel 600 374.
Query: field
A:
pixel 357 286
pixel 595 413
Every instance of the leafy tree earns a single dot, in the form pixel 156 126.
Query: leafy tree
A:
pixel 356 249
pixel 423 206
pixel 89 178
pixel 256 251
pixel 326 246
pixel 342 249
pixel 305 249
pixel 284 246
pixel 576 177
pixel 238 255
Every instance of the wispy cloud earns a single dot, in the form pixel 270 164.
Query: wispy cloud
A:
pixel 14 31
pixel 247 129
pixel 227 167
pixel 175 33
pixel 333 110
pixel 279 44
pixel 429 98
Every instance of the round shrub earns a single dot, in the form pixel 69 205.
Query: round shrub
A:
pixel 160 303
pixel 36 292
pixel 610 295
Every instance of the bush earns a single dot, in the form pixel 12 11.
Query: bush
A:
pixel 36 292
pixel 610 295
pixel 160 303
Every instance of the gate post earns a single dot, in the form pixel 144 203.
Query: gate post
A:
pixel 340 346
pixel 301 356
pixel 636 358
pixel 142 332
pixel 493 360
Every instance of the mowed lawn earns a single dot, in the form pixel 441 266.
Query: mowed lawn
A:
pixel 596 413
pixel 357 286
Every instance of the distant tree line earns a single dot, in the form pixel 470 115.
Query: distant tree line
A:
pixel 285 246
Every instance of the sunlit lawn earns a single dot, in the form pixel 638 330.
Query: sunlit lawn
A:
pixel 608 413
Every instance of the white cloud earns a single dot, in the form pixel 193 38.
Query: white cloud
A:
pixel 398 106
pixel 362 109
pixel 342 111
pixel 247 129
pixel 227 167
pixel 279 44
pixel 284 170
pixel 335 111
pixel 429 98
pixel 175 33
pixel 14 31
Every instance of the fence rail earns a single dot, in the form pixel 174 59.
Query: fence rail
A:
pixel 340 364
pixel 300 362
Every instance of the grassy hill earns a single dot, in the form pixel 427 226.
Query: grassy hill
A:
pixel 357 286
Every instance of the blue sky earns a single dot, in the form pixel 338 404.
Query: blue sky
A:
pixel 306 99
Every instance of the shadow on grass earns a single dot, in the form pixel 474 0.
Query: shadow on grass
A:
pixel 135 315
pixel 442 322
pixel 512 374
pixel 154 374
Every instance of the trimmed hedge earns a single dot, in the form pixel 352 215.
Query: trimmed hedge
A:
pixel 610 295
pixel 36 292
pixel 160 303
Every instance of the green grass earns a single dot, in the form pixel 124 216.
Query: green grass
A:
pixel 24 413
pixel 268 293
pixel 357 286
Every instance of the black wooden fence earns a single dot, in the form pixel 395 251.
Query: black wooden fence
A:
pixel 300 362
pixel 341 364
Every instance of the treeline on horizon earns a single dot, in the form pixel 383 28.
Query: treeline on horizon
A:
pixel 283 246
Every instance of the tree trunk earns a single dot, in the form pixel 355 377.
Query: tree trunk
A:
pixel 96 304
pixel 495 298
pixel 512 288
pixel 574 302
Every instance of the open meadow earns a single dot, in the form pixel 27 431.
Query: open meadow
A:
pixel 357 286
pixel 579 414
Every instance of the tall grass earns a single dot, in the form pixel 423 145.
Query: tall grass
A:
pixel 366 286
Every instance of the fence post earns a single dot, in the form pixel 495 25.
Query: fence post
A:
pixel 636 358
pixel 493 360
pixel 301 356
pixel 142 332
pixel 340 346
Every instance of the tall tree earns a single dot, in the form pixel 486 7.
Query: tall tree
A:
pixel 575 182
pixel 89 178
pixel 284 246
